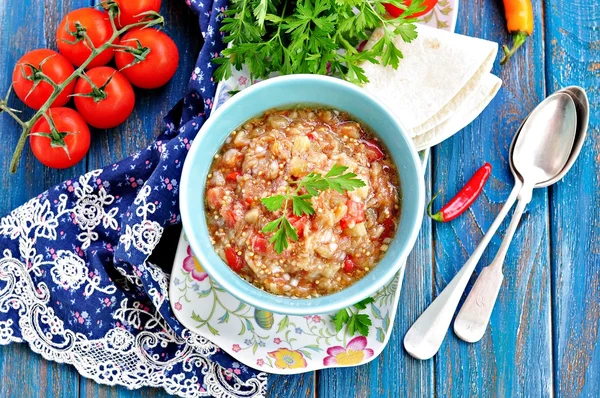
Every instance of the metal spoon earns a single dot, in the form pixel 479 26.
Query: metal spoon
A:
pixel 425 337
pixel 472 319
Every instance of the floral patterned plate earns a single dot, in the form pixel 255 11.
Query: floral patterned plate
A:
pixel 277 343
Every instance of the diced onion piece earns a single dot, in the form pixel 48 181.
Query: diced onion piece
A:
pixel 298 167
pixel 301 144
pixel 363 192
pixel 351 129
pixel 377 232
pixel 358 230
pixel 251 216
pixel 327 250
pixel 340 211
pixel 241 139
pixel 278 121
pixel 232 157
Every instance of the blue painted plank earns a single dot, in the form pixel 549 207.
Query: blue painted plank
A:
pixel 25 374
pixel 521 323
pixel 296 386
pixel 89 389
pixel 24 26
pixel 573 57
pixel 393 373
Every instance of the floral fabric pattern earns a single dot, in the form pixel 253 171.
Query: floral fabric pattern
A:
pixel 75 281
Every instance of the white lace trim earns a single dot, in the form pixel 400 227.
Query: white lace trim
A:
pixel 119 357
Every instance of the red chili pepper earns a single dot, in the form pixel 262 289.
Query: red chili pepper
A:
pixel 464 198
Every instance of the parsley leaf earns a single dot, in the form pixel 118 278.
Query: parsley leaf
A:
pixel 340 319
pixel 273 203
pixel 301 205
pixel 360 323
pixel 361 305
pixel 284 231
pixel 355 322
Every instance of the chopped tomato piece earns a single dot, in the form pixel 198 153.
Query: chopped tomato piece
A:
pixel 354 215
pixel 311 136
pixel 299 223
pixel 374 153
pixel 234 260
pixel 259 244
pixel 232 177
pixel 348 265
pixel 230 218
pixel 389 228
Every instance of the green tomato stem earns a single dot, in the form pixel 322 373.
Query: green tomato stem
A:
pixel 14 162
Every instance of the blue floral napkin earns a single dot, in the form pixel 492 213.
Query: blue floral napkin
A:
pixel 75 280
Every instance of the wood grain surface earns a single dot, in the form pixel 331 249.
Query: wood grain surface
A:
pixel 543 339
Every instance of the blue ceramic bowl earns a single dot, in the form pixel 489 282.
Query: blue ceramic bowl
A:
pixel 286 91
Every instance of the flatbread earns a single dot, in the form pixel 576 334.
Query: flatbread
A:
pixel 471 108
pixel 439 71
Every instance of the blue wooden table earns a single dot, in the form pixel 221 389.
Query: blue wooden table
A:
pixel 543 339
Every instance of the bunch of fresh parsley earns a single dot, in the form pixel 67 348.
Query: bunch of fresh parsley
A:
pixel 312 36
pixel 314 183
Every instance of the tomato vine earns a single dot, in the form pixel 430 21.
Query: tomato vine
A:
pixel 150 19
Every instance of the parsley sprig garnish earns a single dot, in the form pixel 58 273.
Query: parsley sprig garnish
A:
pixel 306 36
pixel 313 184
pixel 354 320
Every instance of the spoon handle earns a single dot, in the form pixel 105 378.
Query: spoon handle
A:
pixel 474 316
pixel 424 338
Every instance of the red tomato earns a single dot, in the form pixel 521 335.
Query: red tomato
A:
pixel 311 136
pixel 234 261
pixel 348 265
pixel 53 65
pixel 96 25
pixel 374 153
pixel 130 10
pixel 299 223
pixel 108 106
pixel 74 133
pixel 259 244
pixel 396 12
pixel 161 60
pixel 232 177
pixel 354 215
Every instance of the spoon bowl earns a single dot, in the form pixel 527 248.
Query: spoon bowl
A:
pixel 580 99
pixel 543 145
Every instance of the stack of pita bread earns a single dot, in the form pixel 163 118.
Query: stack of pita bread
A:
pixel 441 85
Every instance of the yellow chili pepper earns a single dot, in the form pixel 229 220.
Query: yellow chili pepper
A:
pixel 519 21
